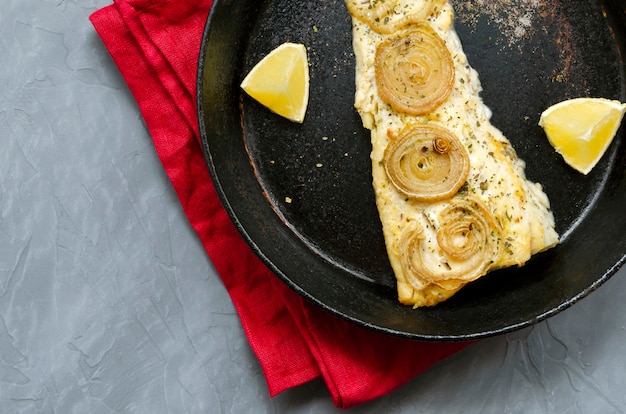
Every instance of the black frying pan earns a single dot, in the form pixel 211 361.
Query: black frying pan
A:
pixel 326 243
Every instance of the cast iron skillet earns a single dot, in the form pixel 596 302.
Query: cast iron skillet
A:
pixel 301 194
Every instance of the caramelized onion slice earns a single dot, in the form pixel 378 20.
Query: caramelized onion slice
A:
pixel 388 16
pixel 426 162
pixel 414 70
pixel 467 243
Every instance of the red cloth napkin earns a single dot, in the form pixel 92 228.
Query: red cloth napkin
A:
pixel 155 44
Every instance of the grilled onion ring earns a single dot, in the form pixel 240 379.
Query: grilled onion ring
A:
pixel 468 241
pixel 388 16
pixel 426 162
pixel 414 70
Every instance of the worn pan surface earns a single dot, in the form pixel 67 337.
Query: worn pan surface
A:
pixel 301 194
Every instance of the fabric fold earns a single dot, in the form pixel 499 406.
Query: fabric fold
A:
pixel 155 45
pixel 178 148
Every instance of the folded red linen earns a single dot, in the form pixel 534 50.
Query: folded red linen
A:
pixel 155 44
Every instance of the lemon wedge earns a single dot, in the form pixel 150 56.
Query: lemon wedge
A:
pixel 582 129
pixel 280 81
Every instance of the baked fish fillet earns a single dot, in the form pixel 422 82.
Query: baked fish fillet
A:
pixel 451 192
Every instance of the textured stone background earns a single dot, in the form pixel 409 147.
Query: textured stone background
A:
pixel 108 303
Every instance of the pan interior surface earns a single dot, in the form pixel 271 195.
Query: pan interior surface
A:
pixel 301 194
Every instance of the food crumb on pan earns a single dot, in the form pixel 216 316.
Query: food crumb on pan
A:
pixel 514 18
pixel 519 21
